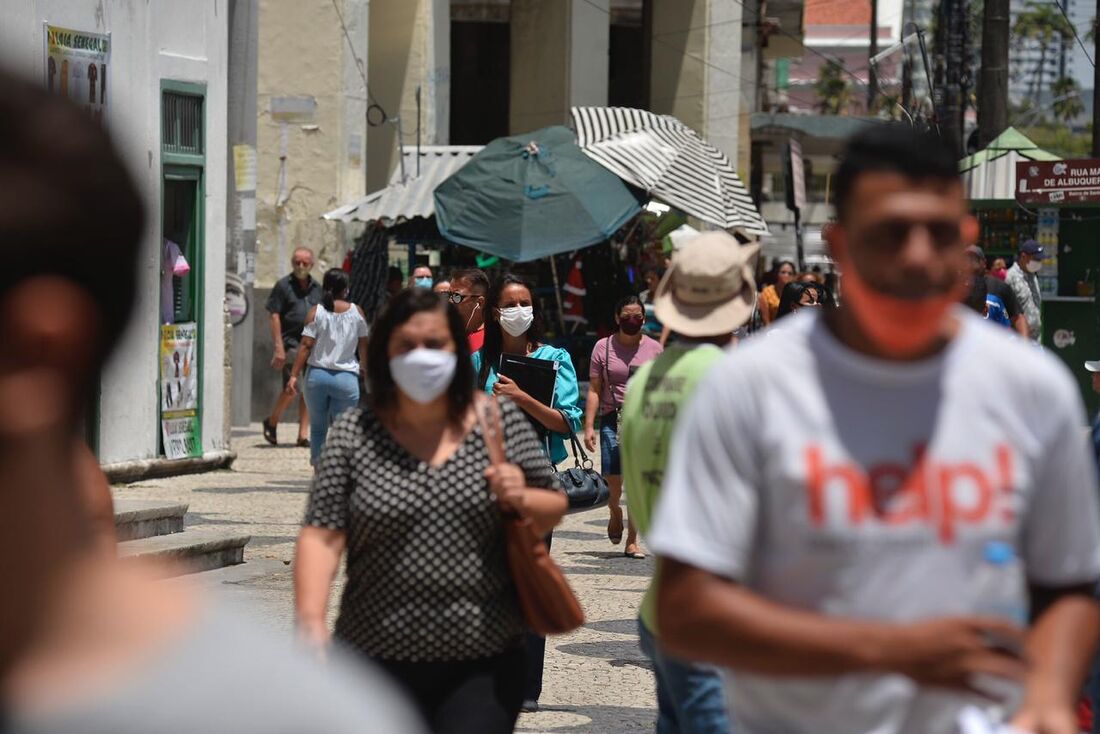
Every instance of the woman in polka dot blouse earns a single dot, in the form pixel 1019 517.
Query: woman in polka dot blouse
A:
pixel 405 487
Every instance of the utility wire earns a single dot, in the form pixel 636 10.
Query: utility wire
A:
pixel 1074 29
pixel 374 104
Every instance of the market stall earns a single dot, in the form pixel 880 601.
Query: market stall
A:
pixel 1062 200
pixel 574 212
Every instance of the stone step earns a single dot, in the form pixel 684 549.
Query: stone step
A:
pixel 191 551
pixel 137 519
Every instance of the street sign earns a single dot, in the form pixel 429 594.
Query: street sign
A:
pixel 796 177
pixel 1058 182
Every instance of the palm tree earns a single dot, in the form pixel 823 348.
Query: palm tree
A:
pixel 1067 103
pixel 1043 24
pixel 833 90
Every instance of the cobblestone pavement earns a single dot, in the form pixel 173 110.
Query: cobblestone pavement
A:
pixel 596 680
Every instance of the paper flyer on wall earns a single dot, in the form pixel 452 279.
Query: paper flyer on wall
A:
pixel 179 391
pixel 76 67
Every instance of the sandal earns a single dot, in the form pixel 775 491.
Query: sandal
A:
pixel 616 521
pixel 271 434
pixel 635 554
pixel 303 443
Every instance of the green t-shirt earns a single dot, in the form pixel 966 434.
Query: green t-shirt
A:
pixel 654 398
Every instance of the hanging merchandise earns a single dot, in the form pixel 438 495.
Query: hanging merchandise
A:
pixel 369 265
pixel 181 267
pixel 1046 233
pixel 573 303
pixel 170 257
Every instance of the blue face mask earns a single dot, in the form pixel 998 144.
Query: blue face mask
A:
pixel 423 282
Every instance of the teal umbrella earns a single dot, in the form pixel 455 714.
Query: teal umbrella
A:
pixel 530 196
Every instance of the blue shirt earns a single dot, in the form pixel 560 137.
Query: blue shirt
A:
pixel 567 393
pixel 996 311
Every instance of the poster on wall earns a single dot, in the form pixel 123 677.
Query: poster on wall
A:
pixel 76 67
pixel 179 391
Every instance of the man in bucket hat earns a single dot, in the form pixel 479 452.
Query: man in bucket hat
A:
pixel 706 294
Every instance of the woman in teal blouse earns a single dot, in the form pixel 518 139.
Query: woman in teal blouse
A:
pixel 514 326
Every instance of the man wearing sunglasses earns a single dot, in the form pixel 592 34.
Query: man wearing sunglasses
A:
pixel 468 290
pixel 856 521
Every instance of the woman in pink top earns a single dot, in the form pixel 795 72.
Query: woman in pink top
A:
pixel 614 360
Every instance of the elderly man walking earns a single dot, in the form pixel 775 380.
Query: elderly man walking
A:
pixel 289 304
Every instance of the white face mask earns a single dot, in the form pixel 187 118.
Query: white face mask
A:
pixel 424 374
pixel 516 320
pixel 1034 266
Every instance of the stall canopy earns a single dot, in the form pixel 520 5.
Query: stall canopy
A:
pixel 406 199
pixel 528 196
pixel 667 159
pixel 990 174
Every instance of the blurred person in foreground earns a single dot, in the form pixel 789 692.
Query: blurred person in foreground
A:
pixel 89 644
pixel 708 293
pixel 832 558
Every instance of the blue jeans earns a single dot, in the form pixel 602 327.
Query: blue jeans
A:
pixel 609 448
pixel 328 394
pixel 691 699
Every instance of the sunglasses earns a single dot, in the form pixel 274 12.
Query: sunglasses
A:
pixel 457 298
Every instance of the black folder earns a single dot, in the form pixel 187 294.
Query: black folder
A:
pixel 536 377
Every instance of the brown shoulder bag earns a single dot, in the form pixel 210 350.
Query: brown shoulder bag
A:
pixel 548 603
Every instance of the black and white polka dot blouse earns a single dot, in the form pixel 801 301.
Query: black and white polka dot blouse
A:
pixel 427 574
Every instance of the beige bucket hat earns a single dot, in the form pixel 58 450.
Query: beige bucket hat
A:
pixel 709 289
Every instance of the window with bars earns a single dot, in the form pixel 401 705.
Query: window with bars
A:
pixel 181 118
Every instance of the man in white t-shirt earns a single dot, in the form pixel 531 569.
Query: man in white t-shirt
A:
pixel 833 491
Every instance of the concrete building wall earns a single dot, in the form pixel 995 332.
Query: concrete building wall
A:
pixel 151 41
pixel 696 72
pixel 409 48
pixel 678 72
pixel 559 59
pixel 311 137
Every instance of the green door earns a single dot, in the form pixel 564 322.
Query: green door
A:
pixel 182 266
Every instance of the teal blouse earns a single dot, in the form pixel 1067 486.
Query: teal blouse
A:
pixel 567 393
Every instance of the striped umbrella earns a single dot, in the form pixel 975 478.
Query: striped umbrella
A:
pixel 669 160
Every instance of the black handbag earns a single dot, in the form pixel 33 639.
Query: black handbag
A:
pixel 584 486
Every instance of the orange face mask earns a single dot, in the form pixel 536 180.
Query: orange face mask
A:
pixel 901 327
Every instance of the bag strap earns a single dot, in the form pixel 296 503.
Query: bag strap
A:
pixel 580 458
pixel 607 371
pixel 488 416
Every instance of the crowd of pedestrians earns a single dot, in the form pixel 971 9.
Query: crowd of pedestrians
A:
pixel 856 531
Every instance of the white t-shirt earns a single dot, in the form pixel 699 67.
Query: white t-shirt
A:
pixel 337 336
pixel 828 481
